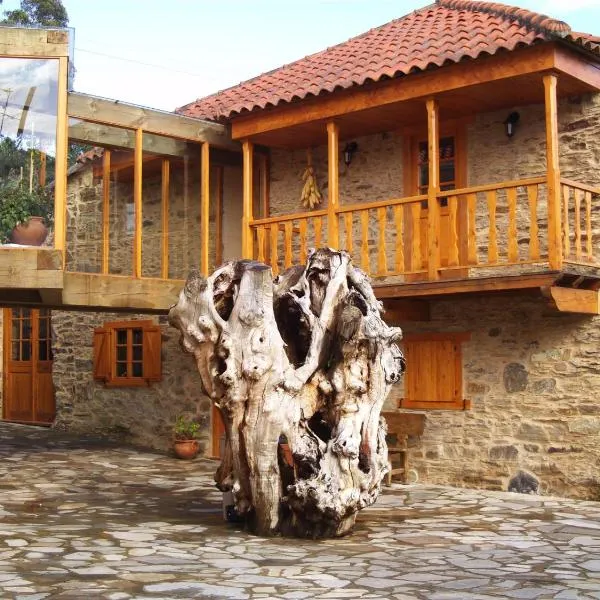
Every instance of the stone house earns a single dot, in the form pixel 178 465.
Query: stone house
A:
pixel 456 151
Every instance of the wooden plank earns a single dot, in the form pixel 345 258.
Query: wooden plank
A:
pixel 578 246
pixel 105 211
pixel 513 243
pixel 588 226
pixel 574 300
pixel 433 206
pixel 247 198
pixel 204 207
pixel 399 223
pixel 30 268
pixel 289 217
pixel 534 236
pixel 365 263
pixel 60 184
pixel 379 203
pixel 137 202
pixel 260 243
pixel 453 223
pixel 333 199
pixel 288 244
pixel 582 186
pixel 416 261
pixel 122 114
pixel 302 240
pixel 318 225
pixel 471 227
pixel 274 262
pixel 28 42
pixel 566 196
pixel 491 196
pixel 553 170
pixel 348 220
pixel 381 242
pixel 165 186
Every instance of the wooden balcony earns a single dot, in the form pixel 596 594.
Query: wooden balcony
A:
pixel 495 237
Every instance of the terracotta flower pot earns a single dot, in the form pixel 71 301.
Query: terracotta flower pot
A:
pixel 31 233
pixel 186 449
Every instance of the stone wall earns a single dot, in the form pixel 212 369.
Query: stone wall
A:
pixel 140 415
pixel 532 375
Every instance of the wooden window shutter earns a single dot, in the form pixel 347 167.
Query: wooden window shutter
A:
pixel 152 354
pixel 102 353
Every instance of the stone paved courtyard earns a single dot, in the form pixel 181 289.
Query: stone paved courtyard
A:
pixel 81 519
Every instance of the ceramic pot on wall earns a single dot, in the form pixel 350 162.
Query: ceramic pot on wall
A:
pixel 31 233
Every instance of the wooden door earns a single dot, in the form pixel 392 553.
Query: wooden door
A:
pixel 28 388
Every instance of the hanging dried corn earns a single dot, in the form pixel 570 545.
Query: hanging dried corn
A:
pixel 311 195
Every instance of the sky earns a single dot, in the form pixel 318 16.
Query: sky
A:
pixel 166 53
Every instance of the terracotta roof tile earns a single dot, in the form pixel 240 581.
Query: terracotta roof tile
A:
pixel 441 33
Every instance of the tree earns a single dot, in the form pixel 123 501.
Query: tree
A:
pixel 305 359
pixel 47 13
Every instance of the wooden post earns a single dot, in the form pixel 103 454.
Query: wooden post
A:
pixel 60 186
pixel 164 206
pixel 248 200
pixel 433 212
pixel 105 210
pixel 204 207
pixel 553 172
pixel 219 216
pixel 333 135
pixel 137 204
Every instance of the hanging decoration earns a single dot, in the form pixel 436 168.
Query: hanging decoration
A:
pixel 311 195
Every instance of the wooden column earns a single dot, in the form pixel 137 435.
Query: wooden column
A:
pixel 164 211
pixel 219 216
pixel 137 204
pixel 433 207
pixel 248 200
pixel 60 186
pixel 105 211
pixel 333 140
pixel 553 172
pixel 204 208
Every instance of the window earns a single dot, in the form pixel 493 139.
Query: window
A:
pixel 127 353
pixel 447 165
pixel 433 377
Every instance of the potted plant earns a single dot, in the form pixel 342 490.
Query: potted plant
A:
pixel 185 437
pixel 24 214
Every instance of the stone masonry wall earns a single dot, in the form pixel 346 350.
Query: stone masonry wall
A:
pixel 140 415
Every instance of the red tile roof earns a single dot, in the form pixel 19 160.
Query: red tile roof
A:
pixel 441 33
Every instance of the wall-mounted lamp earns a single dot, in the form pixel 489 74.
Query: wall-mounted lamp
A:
pixel 349 151
pixel 511 123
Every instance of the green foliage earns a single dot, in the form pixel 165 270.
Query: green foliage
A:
pixel 17 204
pixel 47 13
pixel 186 429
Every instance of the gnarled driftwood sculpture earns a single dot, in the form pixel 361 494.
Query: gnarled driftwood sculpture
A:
pixel 306 358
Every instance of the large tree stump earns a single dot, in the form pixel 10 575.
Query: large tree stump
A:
pixel 305 359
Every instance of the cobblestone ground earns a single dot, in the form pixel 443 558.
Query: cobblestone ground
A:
pixel 79 519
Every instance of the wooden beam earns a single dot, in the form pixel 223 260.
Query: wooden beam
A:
pixel 333 191
pixel 553 172
pixel 164 211
pixel 121 114
pixel 60 185
pixel 577 65
pixel 204 208
pixel 137 202
pixel 433 207
pixel 399 311
pixel 105 211
pixel 247 198
pixel 574 300
pixel 30 268
pixel 422 85
pixel 17 41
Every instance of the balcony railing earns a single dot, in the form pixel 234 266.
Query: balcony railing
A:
pixel 481 230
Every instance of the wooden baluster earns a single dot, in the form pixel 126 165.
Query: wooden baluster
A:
pixel 588 226
pixel 416 261
pixel 492 201
pixel 260 242
pixel 453 241
pixel 472 231
pixel 318 224
pixel 513 245
pixel 534 237
pixel 288 243
pixel 303 251
pixel 399 221
pixel 364 236
pixel 578 250
pixel 348 218
pixel 274 255
pixel 566 195
pixel 381 245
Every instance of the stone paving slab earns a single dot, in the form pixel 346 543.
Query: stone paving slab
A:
pixel 84 519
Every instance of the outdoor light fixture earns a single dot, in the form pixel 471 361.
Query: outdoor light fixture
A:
pixel 349 150
pixel 511 123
